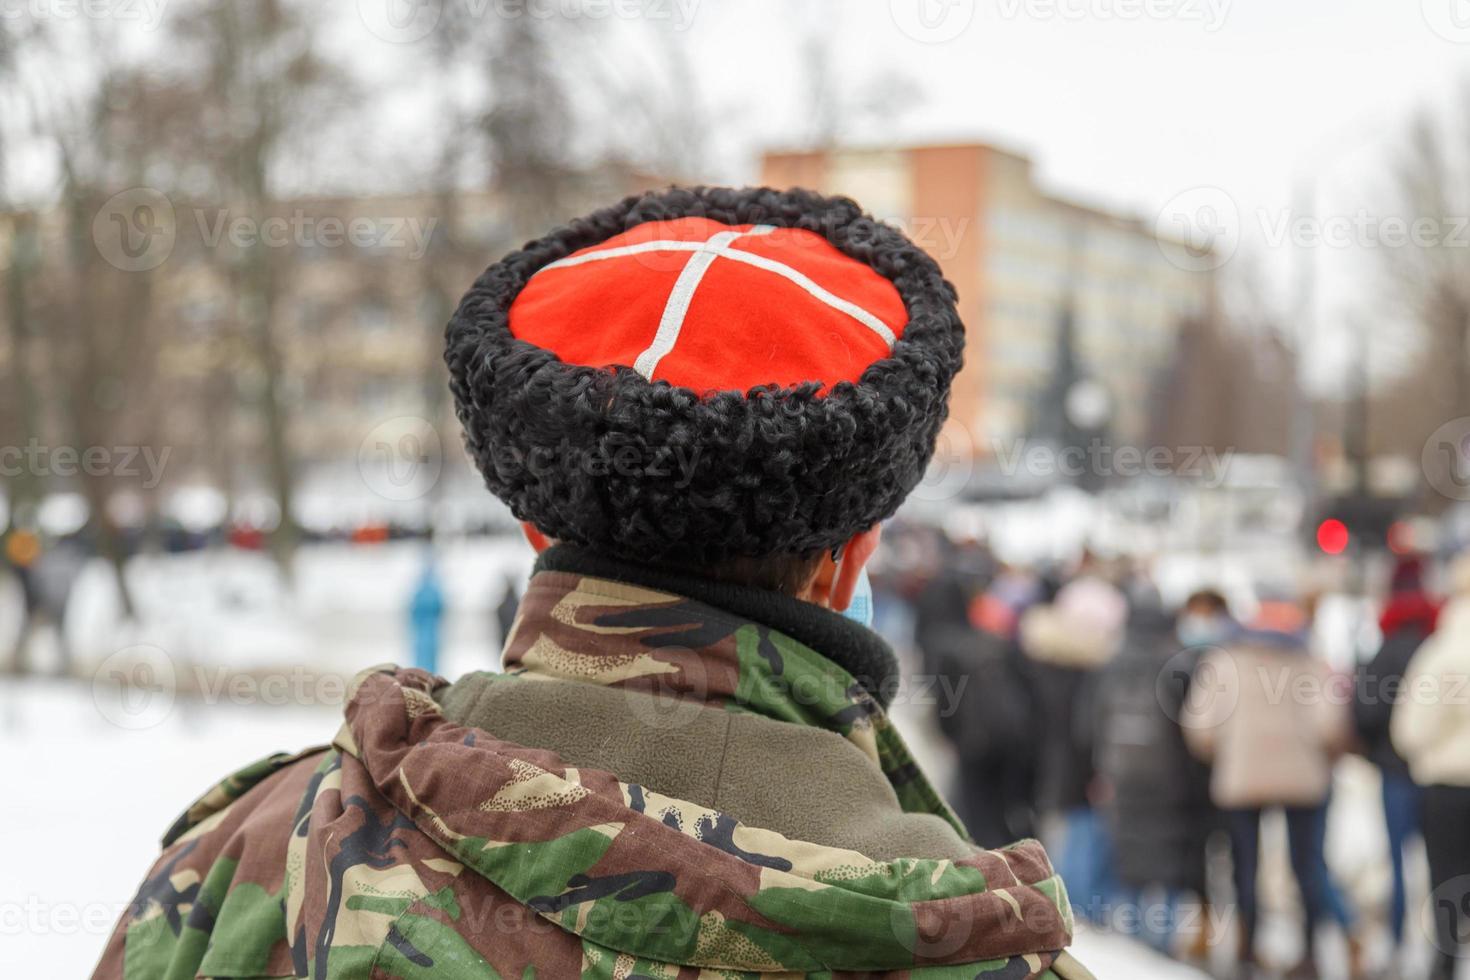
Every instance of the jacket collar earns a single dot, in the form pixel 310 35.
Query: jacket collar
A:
pixel 859 651
pixel 579 626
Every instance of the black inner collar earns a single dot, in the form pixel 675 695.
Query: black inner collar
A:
pixel 853 647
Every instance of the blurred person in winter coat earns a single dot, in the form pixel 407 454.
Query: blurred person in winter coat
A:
pixel 1408 618
pixel 1261 712
pixel 1158 807
pixel 1066 642
pixel 988 723
pixel 1431 730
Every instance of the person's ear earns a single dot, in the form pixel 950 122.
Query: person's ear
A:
pixel 538 541
pixel 855 555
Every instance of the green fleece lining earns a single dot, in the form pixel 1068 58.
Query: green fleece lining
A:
pixel 843 800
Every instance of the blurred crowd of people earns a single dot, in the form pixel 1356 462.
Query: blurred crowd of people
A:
pixel 1143 743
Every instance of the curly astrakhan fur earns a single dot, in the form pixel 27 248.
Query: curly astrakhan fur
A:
pixel 648 470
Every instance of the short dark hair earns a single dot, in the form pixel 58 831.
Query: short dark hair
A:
pixel 787 574
pixel 1210 598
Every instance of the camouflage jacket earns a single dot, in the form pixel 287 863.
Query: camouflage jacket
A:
pixel 415 847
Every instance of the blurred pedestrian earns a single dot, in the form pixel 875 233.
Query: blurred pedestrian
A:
pixel 1260 713
pixel 1430 727
pixel 21 550
pixel 1408 618
pixel 1338 906
pixel 988 723
pixel 426 614
pixel 1296 618
pixel 998 610
pixel 1158 808
pixel 1205 622
pixel 1066 642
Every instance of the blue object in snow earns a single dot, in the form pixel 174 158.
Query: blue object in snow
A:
pixel 425 613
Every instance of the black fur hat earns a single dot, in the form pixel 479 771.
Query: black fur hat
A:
pixel 759 449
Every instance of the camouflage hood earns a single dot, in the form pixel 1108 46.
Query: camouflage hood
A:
pixel 416 846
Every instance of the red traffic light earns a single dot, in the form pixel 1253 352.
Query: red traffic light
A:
pixel 1333 536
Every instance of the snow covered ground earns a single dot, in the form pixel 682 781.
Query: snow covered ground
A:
pixel 348 609
pixel 87 800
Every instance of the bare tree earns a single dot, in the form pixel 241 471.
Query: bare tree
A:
pixel 20 264
pixel 82 322
pixel 258 86
pixel 833 105
pixel 660 114
pixel 1429 282
pixel 1229 386
pixel 519 115
pixel 1433 278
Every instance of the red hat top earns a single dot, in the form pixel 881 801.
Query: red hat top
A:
pixel 713 306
